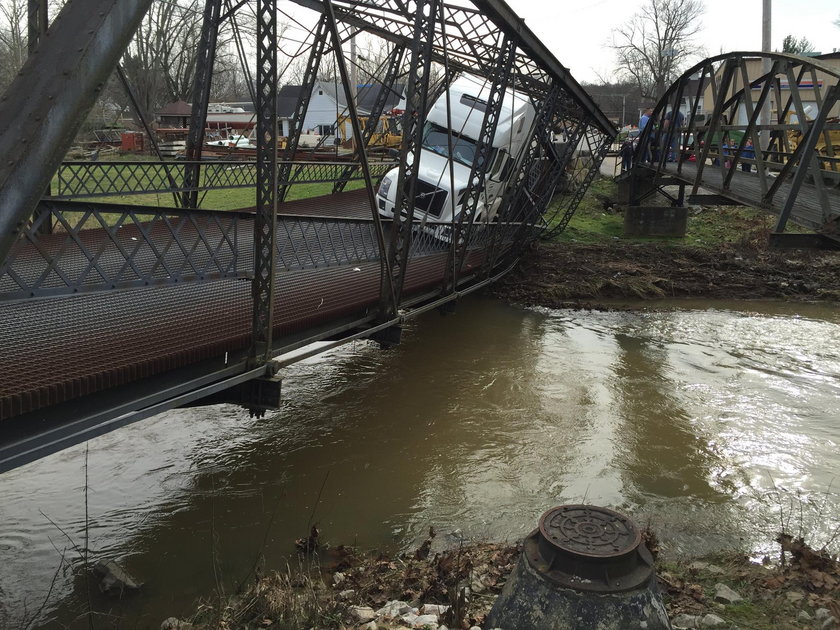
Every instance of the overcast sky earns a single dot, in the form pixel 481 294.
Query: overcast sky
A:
pixel 579 33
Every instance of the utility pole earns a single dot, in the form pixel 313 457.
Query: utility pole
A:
pixel 623 103
pixel 764 119
pixel 354 80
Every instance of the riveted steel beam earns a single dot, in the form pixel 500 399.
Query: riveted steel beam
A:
pixel 265 221
pixel 41 110
pixel 414 120
pixel 205 58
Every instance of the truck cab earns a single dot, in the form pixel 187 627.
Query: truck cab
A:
pixel 440 195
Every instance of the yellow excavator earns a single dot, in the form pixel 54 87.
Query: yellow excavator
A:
pixel 828 144
pixel 388 133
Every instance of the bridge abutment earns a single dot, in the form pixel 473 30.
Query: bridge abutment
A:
pixel 655 221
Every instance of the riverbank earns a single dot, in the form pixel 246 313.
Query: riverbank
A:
pixel 457 587
pixel 723 255
pixel 565 274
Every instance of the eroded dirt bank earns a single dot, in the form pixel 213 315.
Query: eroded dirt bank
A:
pixel 567 274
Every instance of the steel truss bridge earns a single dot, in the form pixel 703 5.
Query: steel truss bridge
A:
pixel 772 141
pixel 126 288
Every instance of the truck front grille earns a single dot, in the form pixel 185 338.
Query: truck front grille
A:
pixel 429 199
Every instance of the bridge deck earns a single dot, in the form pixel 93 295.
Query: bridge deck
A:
pixel 746 188
pixel 59 348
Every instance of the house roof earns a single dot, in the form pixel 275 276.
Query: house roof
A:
pixel 178 108
pixel 287 98
pixel 288 95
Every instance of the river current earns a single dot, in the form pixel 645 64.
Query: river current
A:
pixel 715 423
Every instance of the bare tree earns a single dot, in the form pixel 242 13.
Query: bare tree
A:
pixel 796 46
pixel 12 38
pixel 658 43
pixel 160 62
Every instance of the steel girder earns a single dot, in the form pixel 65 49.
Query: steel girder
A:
pixel 470 42
pixel 265 221
pixel 793 166
pixel 391 73
pixel 463 226
pixel 414 120
pixel 41 112
pixel 205 58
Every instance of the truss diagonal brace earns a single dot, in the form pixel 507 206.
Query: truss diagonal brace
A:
pixel 310 76
pixel 481 162
pixel 391 73
pixel 414 120
pixel 205 59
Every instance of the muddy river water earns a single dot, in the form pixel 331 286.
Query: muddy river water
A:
pixel 714 422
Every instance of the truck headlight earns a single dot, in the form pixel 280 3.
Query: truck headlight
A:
pixel 384 186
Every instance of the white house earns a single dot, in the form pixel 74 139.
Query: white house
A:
pixel 328 104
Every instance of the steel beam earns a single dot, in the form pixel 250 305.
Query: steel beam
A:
pixel 808 157
pixel 205 58
pixel 47 102
pixel 414 120
pixel 391 73
pixel 481 163
pixel 37 23
pixel 265 221
pixel 310 76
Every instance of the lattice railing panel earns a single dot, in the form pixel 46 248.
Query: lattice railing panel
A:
pixel 102 247
pixel 95 179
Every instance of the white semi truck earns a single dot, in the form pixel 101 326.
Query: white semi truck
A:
pixel 439 195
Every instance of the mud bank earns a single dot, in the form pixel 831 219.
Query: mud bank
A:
pixel 560 275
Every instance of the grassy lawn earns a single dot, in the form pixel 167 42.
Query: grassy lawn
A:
pixel 596 222
pixel 222 199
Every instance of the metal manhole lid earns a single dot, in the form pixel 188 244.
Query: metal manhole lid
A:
pixel 589 531
pixel 589 548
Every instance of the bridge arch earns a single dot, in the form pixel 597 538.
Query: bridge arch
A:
pixel 786 161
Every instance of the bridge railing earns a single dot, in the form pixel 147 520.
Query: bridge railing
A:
pixel 100 179
pixel 100 246
pixel 95 247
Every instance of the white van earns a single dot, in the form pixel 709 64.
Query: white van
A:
pixel 434 200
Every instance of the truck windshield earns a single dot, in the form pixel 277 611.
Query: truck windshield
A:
pixel 435 138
